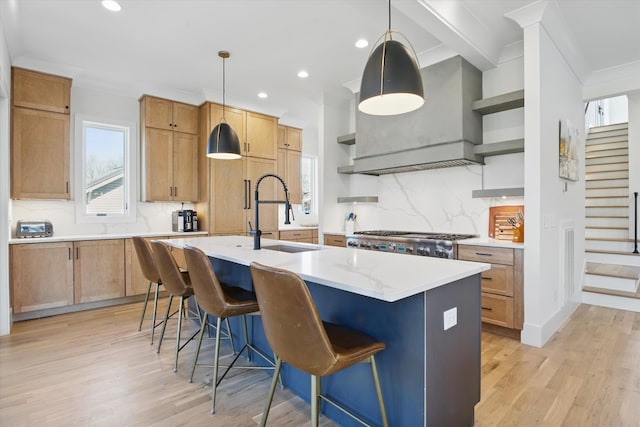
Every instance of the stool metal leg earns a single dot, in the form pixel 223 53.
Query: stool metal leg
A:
pixel 376 381
pixel 164 326
pixel 272 389
pixel 315 400
pixel 195 357
pixel 144 307
pixel 214 382
pixel 180 314
pixel 155 308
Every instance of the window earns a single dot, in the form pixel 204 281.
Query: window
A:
pixel 308 175
pixel 104 186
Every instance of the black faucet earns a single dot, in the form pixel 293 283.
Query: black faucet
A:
pixel 287 207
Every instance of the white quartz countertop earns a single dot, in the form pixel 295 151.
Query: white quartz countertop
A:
pixel 76 238
pixel 479 241
pixel 385 276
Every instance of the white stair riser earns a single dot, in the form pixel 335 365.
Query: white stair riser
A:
pixel 605 233
pixel 593 132
pixel 607 222
pixel 608 245
pixel 608 183
pixel 606 167
pixel 613 259
pixel 611 301
pixel 607 175
pixel 607 201
pixel 609 128
pixel 612 283
pixel 603 139
pixel 612 192
pixel 606 153
pixel 600 146
pixel 607 159
pixel 604 211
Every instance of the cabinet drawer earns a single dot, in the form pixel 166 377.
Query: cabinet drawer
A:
pixel 497 309
pixel 486 254
pixel 296 235
pixel 498 280
pixel 335 240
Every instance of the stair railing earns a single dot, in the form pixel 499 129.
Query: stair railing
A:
pixel 635 227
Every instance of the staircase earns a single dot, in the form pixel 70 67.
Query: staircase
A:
pixel 612 271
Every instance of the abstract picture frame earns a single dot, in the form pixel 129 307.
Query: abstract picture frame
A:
pixel 568 150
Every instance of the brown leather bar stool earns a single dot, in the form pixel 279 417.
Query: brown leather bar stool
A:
pixel 300 338
pixel 178 285
pixel 222 302
pixel 150 272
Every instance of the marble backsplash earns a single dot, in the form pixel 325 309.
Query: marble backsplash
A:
pixel 150 217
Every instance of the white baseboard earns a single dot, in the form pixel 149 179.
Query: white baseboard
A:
pixel 538 335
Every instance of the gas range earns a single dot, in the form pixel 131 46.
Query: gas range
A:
pixel 441 245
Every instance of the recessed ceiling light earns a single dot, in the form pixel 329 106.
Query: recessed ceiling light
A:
pixel 303 74
pixel 362 43
pixel 262 95
pixel 111 5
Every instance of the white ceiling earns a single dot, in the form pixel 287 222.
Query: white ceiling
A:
pixel 169 47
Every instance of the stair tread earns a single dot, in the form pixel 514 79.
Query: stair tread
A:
pixel 606 197
pixel 603 239
pixel 602 179
pixel 613 270
pixel 607 216
pixel 598 251
pixel 608 188
pixel 608 206
pixel 607 228
pixel 611 292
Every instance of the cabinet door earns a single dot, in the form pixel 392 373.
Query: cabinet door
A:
pixel 282 136
pixel 268 212
pixel 228 198
pixel 185 167
pixel 293 178
pixel 234 117
pixel 41 276
pixel 158 113
pixel 335 240
pixel 294 139
pixel 39 155
pixel 40 91
pixel 262 134
pixel 158 165
pixel 98 270
pixel 185 118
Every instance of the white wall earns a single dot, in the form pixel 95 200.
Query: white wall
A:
pixel 5 84
pixel 634 152
pixel 150 217
pixel 552 93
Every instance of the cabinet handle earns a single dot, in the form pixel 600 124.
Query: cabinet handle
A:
pixel 487 278
pixel 483 254
pixel 175 191
pixel 69 253
pixel 67 185
pixel 248 146
pixel 170 191
pixel 248 194
pixel 66 107
pixel 487 308
pixel 77 253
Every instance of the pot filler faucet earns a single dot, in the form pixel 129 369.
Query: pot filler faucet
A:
pixel 287 207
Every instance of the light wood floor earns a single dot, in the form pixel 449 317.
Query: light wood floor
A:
pixel 95 369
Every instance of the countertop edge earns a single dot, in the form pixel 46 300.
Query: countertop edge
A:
pixel 76 238
pixel 480 241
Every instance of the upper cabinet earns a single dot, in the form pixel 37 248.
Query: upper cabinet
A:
pixel 31 89
pixel 40 135
pixel 261 136
pixel 170 145
pixel 289 158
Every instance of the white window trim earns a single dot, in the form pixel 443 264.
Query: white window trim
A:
pixel 130 170
pixel 314 186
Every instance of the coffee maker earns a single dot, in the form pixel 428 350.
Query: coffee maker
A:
pixel 184 220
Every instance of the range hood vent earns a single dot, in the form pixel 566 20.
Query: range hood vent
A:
pixel 442 133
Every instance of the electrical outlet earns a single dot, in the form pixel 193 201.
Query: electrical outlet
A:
pixel 450 318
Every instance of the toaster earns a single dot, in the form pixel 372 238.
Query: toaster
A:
pixel 34 228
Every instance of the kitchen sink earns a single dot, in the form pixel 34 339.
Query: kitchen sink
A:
pixel 288 248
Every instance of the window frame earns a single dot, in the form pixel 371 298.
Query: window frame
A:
pixel 130 173
pixel 314 183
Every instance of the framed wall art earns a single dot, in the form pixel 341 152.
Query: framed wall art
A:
pixel 568 150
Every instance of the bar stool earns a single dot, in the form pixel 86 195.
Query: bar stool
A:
pixel 178 285
pixel 149 271
pixel 300 338
pixel 222 302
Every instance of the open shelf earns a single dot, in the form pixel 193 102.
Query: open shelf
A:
pixel 495 104
pixel 358 199
pixel 498 192
pixel 348 170
pixel 498 148
pixel 349 139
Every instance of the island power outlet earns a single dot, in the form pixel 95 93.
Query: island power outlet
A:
pixel 450 318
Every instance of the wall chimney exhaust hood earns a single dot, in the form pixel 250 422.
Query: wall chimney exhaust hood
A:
pixel 441 133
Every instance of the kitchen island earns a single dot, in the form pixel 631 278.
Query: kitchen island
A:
pixel 426 310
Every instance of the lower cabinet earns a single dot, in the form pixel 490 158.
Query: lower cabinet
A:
pixel 304 236
pixel 335 240
pixel 49 275
pixel 502 285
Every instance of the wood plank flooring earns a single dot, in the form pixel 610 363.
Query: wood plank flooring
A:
pixel 94 368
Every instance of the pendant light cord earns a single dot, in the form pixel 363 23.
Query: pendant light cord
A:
pixel 223 88
pixel 389 16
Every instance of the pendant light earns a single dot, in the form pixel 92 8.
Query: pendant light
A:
pixel 391 82
pixel 223 141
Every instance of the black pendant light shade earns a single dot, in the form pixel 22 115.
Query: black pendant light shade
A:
pixel 223 143
pixel 391 82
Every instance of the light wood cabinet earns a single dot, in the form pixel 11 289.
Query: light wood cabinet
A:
pixel 304 236
pixel 289 159
pixel 261 136
pixel 502 285
pixel 170 140
pixel 268 212
pixel 98 270
pixel 40 136
pixel 41 276
pixel 40 91
pixel 233 117
pixel 335 240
